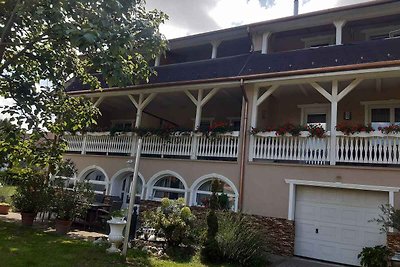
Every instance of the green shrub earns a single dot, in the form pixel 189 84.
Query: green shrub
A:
pixel 240 242
pixel 374 256
pixel 174 220
pixel 210 252
pixel 33 193
pixel 70 203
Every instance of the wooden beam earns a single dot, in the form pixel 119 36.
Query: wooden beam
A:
pixel 303 89
pixel 379 85
pixel 321 90
pixel 133 100
pixel 349 88
pixel 208 96
pixel 147 100
pixel 269 92
pixel 99 100
pixel 189 94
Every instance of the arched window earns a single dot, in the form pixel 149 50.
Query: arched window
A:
pixel 125 189
pixel 168 186
pixel 97 180
pixel 227 192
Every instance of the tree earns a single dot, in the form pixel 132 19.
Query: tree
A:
pixel 56 40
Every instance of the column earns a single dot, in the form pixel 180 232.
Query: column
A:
pixel 265 40
pixel 214 52
pixel 334 105
pixel 339 24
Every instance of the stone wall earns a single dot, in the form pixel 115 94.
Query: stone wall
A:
pixel 279 232
pixel 393 242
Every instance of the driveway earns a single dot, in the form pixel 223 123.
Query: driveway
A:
pixel 278 261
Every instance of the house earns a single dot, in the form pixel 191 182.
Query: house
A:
pixel 329 70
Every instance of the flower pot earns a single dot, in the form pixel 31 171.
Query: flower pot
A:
pixel 63 226
pixel 4 209
pixel 115 237
pixel 27 218
pixel 118 219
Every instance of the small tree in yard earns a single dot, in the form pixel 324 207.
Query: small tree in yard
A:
pixel 210 251
pixel 174 220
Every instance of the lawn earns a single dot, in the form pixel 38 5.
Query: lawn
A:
pixel 21 246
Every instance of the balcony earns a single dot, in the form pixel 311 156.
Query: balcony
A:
pixel 193 146
pixel 374 148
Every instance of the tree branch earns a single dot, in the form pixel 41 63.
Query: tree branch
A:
pixel 21 52
pixel 6 30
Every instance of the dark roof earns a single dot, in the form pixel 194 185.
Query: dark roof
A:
pixel 256 63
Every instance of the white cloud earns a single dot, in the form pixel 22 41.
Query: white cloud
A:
pixel 171 31
pixel 194 16
pixel 4 102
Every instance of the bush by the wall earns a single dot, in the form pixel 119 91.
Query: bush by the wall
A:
pixel 240 242
pixel 374 256
pixel 174 220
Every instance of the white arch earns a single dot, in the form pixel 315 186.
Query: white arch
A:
pixel 161 174
pixel 119 174
pixel 82 175
pixel 208 177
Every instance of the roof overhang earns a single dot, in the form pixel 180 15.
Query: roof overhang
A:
pixel 365 70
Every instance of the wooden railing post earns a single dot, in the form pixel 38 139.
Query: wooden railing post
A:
pixel 193 150
pixel 83 152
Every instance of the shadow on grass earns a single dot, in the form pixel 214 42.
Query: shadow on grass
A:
pixel 181 254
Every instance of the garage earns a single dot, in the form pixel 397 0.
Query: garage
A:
pixel 333 224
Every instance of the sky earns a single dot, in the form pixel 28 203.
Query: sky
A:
pixel 188 17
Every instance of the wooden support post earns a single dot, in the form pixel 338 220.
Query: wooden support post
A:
pixel 265 40
pixel 334 106
pixel 253 122
pixel 339 31
pixel 214 52
pixel 198 109
pixel 140 106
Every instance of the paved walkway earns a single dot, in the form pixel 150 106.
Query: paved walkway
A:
pixel 278 261
pixel 38 224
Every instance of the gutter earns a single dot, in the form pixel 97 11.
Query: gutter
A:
pixel 243 146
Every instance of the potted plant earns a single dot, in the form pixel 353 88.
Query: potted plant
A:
pixel 118 215
pixel 4 206
pixel 69 203
pixel 31 196
pixel 117 226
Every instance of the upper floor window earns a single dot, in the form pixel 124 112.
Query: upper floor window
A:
pixel 315 114
pixel 382 32
pixel 382 113
pixel 318 41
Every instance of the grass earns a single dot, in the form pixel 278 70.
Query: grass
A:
pixel 22 246
pixel 7 191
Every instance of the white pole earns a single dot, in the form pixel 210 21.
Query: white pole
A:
pixel 132 196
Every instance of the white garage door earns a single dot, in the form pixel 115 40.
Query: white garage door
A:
pixel 333 224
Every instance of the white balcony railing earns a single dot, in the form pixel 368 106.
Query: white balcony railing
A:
pixel 368 148
pixel 301 148
pixel 185 145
